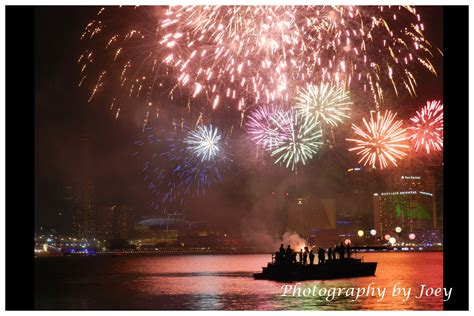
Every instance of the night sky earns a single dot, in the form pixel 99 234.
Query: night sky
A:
pixel 63 116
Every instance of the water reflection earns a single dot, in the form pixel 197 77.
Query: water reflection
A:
pixel 220 282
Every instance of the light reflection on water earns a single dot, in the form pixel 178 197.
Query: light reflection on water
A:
pixel 219 282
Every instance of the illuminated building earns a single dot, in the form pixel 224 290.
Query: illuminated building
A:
pixel 355 204
pixel 155 237
pixel 104 222
pixel 122 221
pixel 410 210
pixel 348 223
pixel 426 182
pixel 113 222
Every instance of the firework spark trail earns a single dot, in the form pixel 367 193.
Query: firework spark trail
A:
pixel 301 141
pixel 426 130
pixel 346 44
pixel 372 46
pixel 236 53
pixel 263 128
pixel 173 173
pixel 383 140
pixel 246 55
pixel 328 103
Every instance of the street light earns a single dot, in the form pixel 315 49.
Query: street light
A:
pixel 360 233
pixel 412 236
pixel 392 240
pixel 398 229
pixel 373 232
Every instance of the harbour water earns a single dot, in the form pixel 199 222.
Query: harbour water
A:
pixel 224 282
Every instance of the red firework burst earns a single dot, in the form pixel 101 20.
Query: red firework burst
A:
pixel 426 130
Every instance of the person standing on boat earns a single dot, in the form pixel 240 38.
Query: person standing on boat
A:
pixel 321 255
pixel 311 257
pixel 305 255
pixel 329 253
pixel 341 251
pixel 289 255
pixel 301 256
pixel 348 250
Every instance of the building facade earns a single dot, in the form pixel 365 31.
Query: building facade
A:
pixel 410 210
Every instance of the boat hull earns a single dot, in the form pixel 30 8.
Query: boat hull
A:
pixel 334 269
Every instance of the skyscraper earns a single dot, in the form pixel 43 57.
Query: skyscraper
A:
pixel 310 213
pixel 104 222
pixel 83 216
pixel 113 222
pixel 67 209
pixel 355 203
pixel 410 210
pixel 122 221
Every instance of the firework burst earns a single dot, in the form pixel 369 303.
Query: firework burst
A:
pixel 204 142
pixel 173 173
pixel 263 128
pixel 241 54
pixel 369 47
pixel 246 55
pixel 301 140
pixel 426 130
pixel 328 103
pixel 383 140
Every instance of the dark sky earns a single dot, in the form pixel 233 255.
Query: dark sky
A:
pixel 63 117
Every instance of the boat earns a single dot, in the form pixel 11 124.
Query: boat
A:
pixel 330 269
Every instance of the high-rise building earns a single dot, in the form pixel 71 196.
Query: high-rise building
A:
pixel 306 214
pixel 409 210
pixel 67 210
pixel 104 222
pixel 83 216
pixel 426 182
pixel 355 204
pixel 113 222
pixel 122 221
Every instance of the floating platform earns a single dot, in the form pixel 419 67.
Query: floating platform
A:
pixel 330 269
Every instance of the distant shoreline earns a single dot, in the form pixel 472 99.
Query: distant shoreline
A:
pixel 119 254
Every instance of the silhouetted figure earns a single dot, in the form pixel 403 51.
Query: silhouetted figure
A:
pixel 341 251
pixel 293 257
pixel 301 256
pixel 277 257
pixel 321 255
pixel 336 251
pixel 288 254
pixel 280 255
pixel 305 255
pixel 329 253
pixel 311 257
pixel 348 250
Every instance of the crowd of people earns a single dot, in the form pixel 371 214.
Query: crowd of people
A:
pixel 306 256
